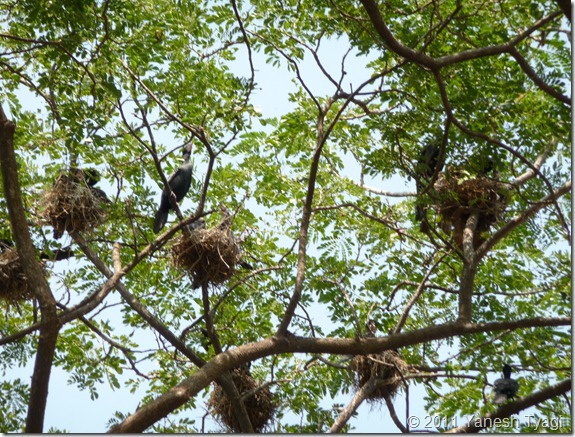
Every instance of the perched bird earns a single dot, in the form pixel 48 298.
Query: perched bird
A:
pixel 504 388
pixel 179 183
pixel 76 177
pixel 5 244
pixel 89 175
pixel 426 166
pixel 371 328
pixel 198 224
pixel 488 166
pixel 53 255
pixel 58 254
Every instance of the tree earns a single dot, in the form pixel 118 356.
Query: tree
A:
pixel 321 239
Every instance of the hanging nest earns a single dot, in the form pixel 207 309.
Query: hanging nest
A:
pixel 457 199
pixel 387 367
pixel 259 405
pixel 14 286
pixel 208 255
pixel 72 205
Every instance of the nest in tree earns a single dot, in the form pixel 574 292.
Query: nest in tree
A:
pixel 386 367
pixel 209 255
pixel 457 199
pixel 72 205
pixel 14 286
pixel 259 403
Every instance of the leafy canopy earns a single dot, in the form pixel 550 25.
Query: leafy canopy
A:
pixel 322 198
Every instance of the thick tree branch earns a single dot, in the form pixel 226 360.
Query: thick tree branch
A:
pixel 565 6
pixel 521 179
pixel 131 300
pixel 435 64
pixel 187 389
pixel 305 222
pixel 532 74
pixel 225 380
pixel 35 276
pixel 360 396
pixel 522 218
pixel 372 9
pixel 486 421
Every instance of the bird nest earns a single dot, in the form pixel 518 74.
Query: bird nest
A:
pixel 457 199
pixel 209 255
pixel 387 368
pixel 71 205
pixel 14 286
pixel 259 403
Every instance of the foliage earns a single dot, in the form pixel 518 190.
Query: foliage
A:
pixel 321 196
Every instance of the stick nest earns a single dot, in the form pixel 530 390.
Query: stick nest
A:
pixel 208 255
pixel 14 285
pixel 259 405
pixel 457 199
pixel 386 367
pixel 71 205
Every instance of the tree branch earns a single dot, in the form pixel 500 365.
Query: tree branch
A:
pixel 360 396
pixel 225 380
pixel 470 262
pixel 50 325
pixel 531 74
pixel 521 218
pixel 486 421
pixel 187 389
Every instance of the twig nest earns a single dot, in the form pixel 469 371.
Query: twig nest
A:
pixel 14 286
pixel 458 198
pixel 208 255
pixel 258 401
pixel 72 205
pixel 386 367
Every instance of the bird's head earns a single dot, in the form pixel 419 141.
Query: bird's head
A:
pixel 92 176
pixel 506 371
pixel 187 150
pixel 371 327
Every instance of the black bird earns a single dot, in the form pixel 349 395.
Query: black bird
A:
pixel 504 388
pixel 371 328
pixel 198 224
pixel 5 244
pixel 89 175
pixel 488 166
pixel 58 254
pixel 426 165
pixel 179 182
pixel 55 255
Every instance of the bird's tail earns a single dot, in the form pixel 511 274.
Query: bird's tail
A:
pixel 499 398
pixel 420 212
pixel 160 220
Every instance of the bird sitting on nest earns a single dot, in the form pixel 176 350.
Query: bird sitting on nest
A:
pixel 504 388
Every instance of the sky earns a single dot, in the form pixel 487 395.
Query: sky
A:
pixel 271 97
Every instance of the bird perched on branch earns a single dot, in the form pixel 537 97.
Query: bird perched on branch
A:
pixel 504 388
pixel 53 255
pixel 371 328
pixel 179 183
pixel 426 166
